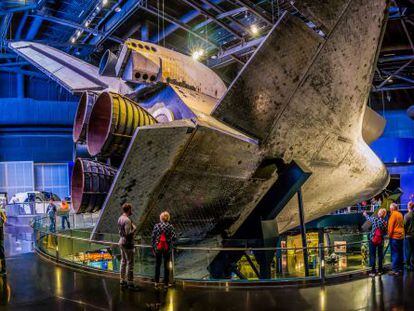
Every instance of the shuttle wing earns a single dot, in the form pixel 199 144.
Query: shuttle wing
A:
pixel 72 73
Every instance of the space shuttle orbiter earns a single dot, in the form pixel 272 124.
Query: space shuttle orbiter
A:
pixel 209 154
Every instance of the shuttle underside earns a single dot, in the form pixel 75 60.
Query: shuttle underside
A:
pixel 302 98
pixel 210 156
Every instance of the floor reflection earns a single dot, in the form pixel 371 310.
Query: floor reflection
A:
pixel 5 293
pixel 35 284
pixel 18 240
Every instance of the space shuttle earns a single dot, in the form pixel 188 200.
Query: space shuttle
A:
pixel 222 160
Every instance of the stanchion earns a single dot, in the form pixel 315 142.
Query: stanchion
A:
pixel 172 267
pixel 303 232
pixel 321 263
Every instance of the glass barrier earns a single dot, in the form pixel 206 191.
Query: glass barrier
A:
pixel 341 254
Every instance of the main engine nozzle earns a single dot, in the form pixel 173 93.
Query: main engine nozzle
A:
pixel 83 113
pixel 112 123
pixel 91 182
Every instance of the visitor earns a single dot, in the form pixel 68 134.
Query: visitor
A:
pixel 163 238
pixel 51 212
pixel 3 220
pixel 376 240
pixel 64 214
pixel 396 235
pixel 127 231
pixel 409 237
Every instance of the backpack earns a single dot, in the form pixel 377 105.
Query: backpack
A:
pixel 377 237
pixel 162 244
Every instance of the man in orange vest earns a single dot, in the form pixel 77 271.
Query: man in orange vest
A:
pixel 396 235
pixel 64 213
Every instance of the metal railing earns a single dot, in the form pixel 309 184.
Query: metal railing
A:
pixel 358 209
pixel 29 208
pixel 195 263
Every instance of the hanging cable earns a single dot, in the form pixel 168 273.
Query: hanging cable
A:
pixel 158 21
pixel 163 21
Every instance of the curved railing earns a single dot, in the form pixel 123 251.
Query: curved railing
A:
pixel 347 254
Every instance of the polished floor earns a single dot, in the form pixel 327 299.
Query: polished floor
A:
pixel 35 284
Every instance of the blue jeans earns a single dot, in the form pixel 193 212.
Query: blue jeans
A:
pixel 373 250
pixel 65 219
pixel 52 227
pixel 409 252
pixel 397 255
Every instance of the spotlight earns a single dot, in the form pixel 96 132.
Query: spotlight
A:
pixel 196 55
pixel 104 2
pixel 254 29
pixel 86 23
pixel 118 9
pixel 73 40
pixel 98 8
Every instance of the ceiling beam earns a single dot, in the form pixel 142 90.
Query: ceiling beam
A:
pixel 253 9
pixel 213 17
pixel 188 29
pixel 129 7
pixel 186 18
pixel 17 9
pixel 76 26
pixel 395 58
pixel 395 87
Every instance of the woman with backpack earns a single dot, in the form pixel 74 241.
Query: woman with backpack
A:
pixel 376 239
pixel 163 238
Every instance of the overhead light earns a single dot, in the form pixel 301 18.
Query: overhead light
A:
pixel 73 40
pixel 254 29
pixel 87 23
pixel 196 55
pixel 104 2
pixel 213 56
pixel 118 9
pixel 78 33
pixel 98 8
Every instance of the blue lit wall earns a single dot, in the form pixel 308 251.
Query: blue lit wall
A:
pixel 36 130
pixel 396 149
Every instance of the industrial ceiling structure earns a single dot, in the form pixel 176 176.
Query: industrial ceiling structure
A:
pixel 221 33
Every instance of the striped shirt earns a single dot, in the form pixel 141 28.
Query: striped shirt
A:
pixel 376 223
pixel 169 232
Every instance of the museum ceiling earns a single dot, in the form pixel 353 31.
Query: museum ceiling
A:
pixel 226 31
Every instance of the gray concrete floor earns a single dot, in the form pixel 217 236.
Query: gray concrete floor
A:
pixel 35 284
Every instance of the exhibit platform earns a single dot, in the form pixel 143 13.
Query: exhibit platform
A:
pixel 343 256
pixel 47 286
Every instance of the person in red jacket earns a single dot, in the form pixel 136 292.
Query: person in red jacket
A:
pixel 396 235
pixel 163 238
